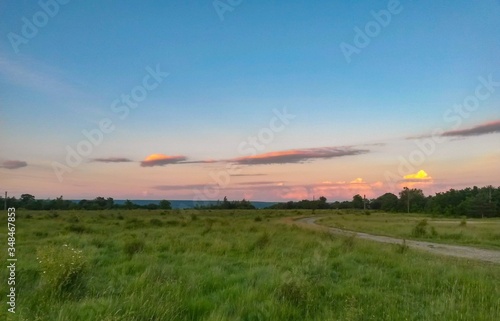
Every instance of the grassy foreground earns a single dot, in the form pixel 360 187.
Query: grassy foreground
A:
pixel 226 265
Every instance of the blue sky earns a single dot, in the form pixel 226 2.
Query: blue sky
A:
pixel 225 79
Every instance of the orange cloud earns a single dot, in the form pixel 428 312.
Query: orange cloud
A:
pixel 420 175
pixel 298 155
pixel 161 160
pixel 358 181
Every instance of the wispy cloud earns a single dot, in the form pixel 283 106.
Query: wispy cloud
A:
pixel 299 155
pixel 483 129
pixel 187 187
pixel 161 160
pixel 262 183
pixel 112 160
pixel 13 164
pixel 34 75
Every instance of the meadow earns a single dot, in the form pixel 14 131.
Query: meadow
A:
pixel 232 265
pixel 483 233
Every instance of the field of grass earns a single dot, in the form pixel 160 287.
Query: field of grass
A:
pixel 483 233
pixel 230 265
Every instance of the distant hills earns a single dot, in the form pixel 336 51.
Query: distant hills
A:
pixel 180 204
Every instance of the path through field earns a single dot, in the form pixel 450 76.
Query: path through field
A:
pixel 437 248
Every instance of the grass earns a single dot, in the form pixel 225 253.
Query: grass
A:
pixel 152 265
pixel 483 233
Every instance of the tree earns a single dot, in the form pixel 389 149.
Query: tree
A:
pixel 165 205
pixel 412 200
pixel 129 205
pixel 357 201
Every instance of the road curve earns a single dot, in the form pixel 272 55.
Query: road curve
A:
pixel 437 248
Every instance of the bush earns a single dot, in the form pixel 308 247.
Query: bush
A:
pixel 262 241
pixel 293 293
pixel 155 222
pixel 62 267
pixel 133 246
pixel 420 229
pixel 463 222
pixel 258 218
pixel 402 248
pixel 78 228
pixel 134 223
pixel 349 242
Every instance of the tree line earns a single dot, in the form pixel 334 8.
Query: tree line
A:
pixel 470 202
pixel 29 202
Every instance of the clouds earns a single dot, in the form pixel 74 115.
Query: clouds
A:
pixel 483 129
pixel 13 164
pixel 161 160
pixel 112 160
pixel 420 176
pixel 298 155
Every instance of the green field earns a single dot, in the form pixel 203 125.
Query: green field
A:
pixel 231 265
pixel 483 233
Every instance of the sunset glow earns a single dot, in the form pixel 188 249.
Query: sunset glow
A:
pixel 263 105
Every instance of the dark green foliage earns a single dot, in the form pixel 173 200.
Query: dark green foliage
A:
pixel 78 228
pixel 155 222
pixel 420 229
pixel 133 246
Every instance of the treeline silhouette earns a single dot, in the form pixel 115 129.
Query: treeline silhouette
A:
pixel 470 202
pixel 29 202
pixel 227 205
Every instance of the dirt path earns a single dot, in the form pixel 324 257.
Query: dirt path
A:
pixel 442 249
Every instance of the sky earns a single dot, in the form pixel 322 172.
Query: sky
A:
pixel 262 100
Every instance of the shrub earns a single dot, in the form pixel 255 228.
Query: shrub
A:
pixel 463 222
pixel 262 241
pixel 41 234
pixel 194 217
pixel 73 219
pixel 62 267
pixel 155 222
pixel 349 242
pixel 420 229
pixel 78 228
pixel 258 218
pixel 133 246
pixel 292 293
pixel 134 223
pixel 402 248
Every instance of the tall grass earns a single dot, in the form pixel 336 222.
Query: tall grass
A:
pixel 219 266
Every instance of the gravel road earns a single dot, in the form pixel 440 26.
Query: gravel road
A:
pixel 437 248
